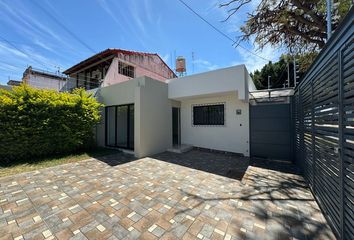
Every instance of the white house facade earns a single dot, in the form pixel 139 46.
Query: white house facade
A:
pixel 208 110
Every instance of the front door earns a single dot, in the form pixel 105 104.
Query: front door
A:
pixel 176 126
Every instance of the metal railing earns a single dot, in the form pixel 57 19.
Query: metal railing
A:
pixel 72 83
pixel 324 129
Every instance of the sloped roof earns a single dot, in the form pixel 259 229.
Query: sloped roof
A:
pixel 110 52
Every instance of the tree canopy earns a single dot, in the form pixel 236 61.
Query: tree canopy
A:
pixel 278 71
pixel 299 25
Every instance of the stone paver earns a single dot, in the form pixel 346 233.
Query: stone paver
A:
pixel 195 195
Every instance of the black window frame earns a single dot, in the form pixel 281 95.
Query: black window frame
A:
pixel 208 114
pixel 130 145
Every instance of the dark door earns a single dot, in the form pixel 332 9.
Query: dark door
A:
pixel 175 126
pixel 120 126
pixel 271 131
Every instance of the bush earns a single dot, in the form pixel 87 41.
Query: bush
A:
pixel 37 123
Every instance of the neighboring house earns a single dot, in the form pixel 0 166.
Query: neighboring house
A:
pixel 10 84
pixel 113 66
pixel 208 110
pixel 43 79
pixel 14 83
pixel 6 87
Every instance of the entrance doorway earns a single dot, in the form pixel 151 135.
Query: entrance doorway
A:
pixel 176 126
pixel 120 126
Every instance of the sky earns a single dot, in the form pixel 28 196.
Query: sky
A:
pixel 54 35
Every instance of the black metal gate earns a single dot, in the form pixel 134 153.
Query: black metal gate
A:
pixel 271 131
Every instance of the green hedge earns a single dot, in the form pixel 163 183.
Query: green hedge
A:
pixel 36 123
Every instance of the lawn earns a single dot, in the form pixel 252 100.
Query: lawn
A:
pixel 11 168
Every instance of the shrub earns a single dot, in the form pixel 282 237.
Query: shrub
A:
pixel 37 123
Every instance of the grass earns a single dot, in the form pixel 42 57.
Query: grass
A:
pixel 7 169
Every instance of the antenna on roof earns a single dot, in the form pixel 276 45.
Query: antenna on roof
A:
pixel 171 56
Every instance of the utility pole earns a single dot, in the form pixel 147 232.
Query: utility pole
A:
pixel 294 71
pixel 288 81
pixel 329 19
pixel 268 82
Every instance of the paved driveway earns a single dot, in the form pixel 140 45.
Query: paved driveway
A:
pixel 196 195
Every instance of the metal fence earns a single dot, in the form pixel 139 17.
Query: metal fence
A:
pixel 324 126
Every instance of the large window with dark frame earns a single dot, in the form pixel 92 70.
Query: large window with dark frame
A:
pixel 126 69
pixel 211 114
pixel 120 126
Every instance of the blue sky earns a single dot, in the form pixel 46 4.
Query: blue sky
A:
pixel 165 27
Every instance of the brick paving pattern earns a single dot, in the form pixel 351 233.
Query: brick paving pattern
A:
pixel 195 195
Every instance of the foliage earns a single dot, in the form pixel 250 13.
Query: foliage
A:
pixel 37 123
pixel 299 25
pixel 279 71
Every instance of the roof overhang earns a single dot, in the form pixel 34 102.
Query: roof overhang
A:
pixel 231 80
pixel 107 55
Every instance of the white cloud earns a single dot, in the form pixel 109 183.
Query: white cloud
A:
pixel 204 64
pixel 6 49
pixel 254 62
pixel 131 19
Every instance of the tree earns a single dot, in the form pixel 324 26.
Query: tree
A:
pixel 299 25
pixel 278 71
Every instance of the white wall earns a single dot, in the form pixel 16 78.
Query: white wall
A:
pixel 221 81
pixel 45 82
pixel 154 117
pixel 152 113
pixel 231 137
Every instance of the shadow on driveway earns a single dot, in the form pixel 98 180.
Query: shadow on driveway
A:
pixel 223 164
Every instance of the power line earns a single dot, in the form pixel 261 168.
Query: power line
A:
pixel 69 31
pixel 20 50
pixel 225 35
pixel 220 32
pixel 64 27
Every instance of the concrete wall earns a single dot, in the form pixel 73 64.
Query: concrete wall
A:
pixel 232 137
pixel 42 82
pixel 154 117
pixel 221 81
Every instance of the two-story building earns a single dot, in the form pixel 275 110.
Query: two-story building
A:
pixel 113 66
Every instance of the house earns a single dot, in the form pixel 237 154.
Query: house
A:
pixel 14 83
pixel 44 80
pixel 113 66
pixel 10 84
pixel 207 110
pixel 5 87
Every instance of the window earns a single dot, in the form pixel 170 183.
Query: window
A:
pixel 120 126
pixel 208 114
pixel 126 70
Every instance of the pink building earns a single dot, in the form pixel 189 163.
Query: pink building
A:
pixel 116 65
